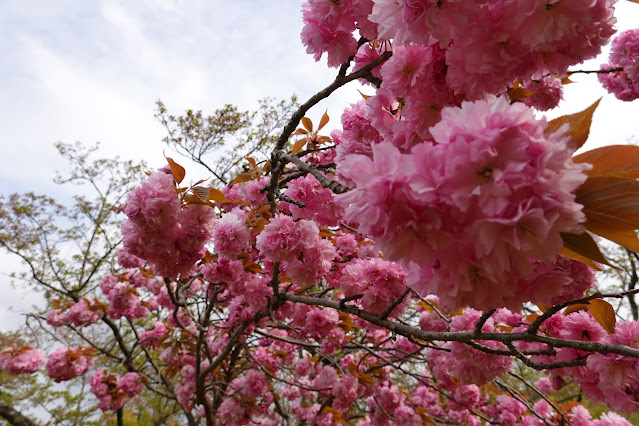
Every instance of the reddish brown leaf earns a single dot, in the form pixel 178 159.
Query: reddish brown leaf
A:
pixel 604 313
pixel 532 317
pixel 617 212
pixel 575 308
pixel 177 170
pixel 251 161
pixel 194 199
pixel 624 237
pixel 217 195
pixel 542 307
pixel 299 145
pixel 267 166
pixel 364 378
pixel 253 268
pixel 363 95
pixel 598 187
pixel 243 177
pixel 584 245
pixel 201 191
pixel 326 232
pixel 579 124
pixel 307 123
pixel 612 161
pixel 300 132
pixel 519 93
pixel 323 121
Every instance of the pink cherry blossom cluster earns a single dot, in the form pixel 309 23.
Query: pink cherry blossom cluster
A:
pixel 580 416
pixel 329 26
pixel 611 378
pixel 547 92
pixel 85 312
pixel 247 297
pixel 253 386
pixel 67 363
pixel 124 299
pixel 153 337
pixel 615 378
pixel 560 281
pixel 112 390
pixel 466 214
pixel 379 282
pixel 162 231
pixel 467 364
pixel 231 236
pixel 486 46
pixel 82 313
pixel 624 54
pixel 305 256
pixel 21 360
pixel 490 45
pixel 319 202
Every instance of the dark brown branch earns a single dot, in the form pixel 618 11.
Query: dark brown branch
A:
pixel 541 395
pixel 464 336
pixel 482 320
pixel 339 81
pixel 395 304
pixel 13 416
pixel 534 327
pixel 603 71
pixel 326 182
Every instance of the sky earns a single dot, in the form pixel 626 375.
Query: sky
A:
pixel 77 70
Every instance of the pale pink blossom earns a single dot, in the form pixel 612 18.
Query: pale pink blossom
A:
pixel 231 236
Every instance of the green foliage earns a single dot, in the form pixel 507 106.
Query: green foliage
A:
pixel 227 136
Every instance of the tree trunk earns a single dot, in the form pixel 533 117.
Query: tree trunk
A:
pixel 13 416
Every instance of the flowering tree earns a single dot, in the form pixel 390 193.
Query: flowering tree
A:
pixel 414 266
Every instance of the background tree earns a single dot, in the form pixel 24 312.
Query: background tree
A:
pixel 221 141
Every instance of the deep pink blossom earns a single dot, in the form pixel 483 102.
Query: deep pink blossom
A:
pixel 319 202
pixel 618 83
pixel 85 312
pixel 21 360
pixel 67 363
pixel 624 52
pixel 378 281
pixel 161 231
pixel 547 93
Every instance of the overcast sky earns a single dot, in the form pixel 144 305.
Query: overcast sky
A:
pixel 77 70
